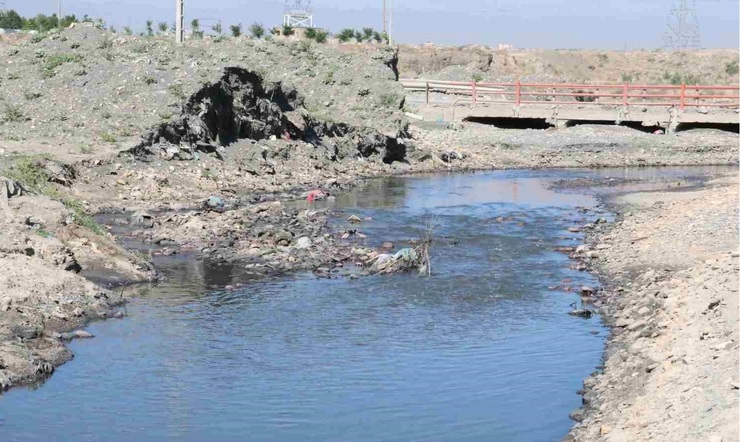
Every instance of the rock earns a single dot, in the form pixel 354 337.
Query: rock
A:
pixel 354 219
pixel 604 430
pixel 574 229
pixel 303 242
pixel 592 254
pixel 636 324
pixel 78 312
pixel 283 238
pixel 387 245
pixel 587 290
pixel 142 218
pixel 603 246
pixel 577 415
pixel 724 346
pixel 82 334
pixel 58 314
pixel 5 304
pixel 643 311
pixel 583 248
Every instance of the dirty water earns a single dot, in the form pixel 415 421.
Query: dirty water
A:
pixel 481 350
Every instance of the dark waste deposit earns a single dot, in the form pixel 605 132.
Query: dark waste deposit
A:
pixel 483 349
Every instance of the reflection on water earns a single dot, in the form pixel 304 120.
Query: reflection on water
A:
pixel 481 350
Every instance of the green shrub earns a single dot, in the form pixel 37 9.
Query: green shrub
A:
pixel 108 137
pixel 48 69
pixel 288 30
pixel 13 113
pixel 731 68
pixel 236 30
pixel 321 36
pixel 257 30
pixel 346 35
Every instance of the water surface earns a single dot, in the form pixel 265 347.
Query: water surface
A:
pixel 481 350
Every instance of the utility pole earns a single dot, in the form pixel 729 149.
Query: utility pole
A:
pixel 390 22
pixel 179 21
pixel 59 15
pixel 385 28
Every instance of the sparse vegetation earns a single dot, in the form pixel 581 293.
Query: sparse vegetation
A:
pixel 236 30
pixel 256 30
pixel 108 137
pixel 731 68
pixel 127 30
pixel 13 113
pixel 149 29
pixel 477 77
pixel 162 27
pixel 12 20
pixel 50 64
pixel 217 28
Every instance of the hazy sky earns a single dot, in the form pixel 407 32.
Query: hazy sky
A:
pixel 523 23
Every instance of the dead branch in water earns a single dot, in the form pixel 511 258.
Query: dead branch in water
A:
pixel 427 236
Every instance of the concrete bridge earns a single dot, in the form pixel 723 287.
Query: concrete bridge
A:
pixel 647 107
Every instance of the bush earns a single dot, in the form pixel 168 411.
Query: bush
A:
pixel 236 30
pixel 359 36
pixel 318 35
pixel 346 35
pixel 288 31
pixel 321 36
pixel 731 68
pixel 149 30
pixel 13 114
pixel 257 30
pixel 368 33
pixel 217 28
pixel 587 97
pixel 162 27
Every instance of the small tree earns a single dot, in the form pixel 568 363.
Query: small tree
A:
pixel 359 36
pixel 127 30
pixel 321 36
pixel 217 28
pixel 162 27
pixel 257 30
pixel 346 35
pixel 195 26
pixel 368 33
pixel 310 33
pixel 11 20
pixel 149 30
pixel 288 30
pixel 236 30
pixel 378 37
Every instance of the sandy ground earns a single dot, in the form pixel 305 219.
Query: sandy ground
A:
pixel 670 264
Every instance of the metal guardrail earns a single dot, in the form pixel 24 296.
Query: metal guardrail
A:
pixel 626 94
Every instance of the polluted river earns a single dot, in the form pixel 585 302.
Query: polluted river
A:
pixel 484 348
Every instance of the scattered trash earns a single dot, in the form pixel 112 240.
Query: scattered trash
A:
pixel 354 219
pixel 316 195
pixel 214 204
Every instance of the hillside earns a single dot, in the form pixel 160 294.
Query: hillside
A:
pixel 710 66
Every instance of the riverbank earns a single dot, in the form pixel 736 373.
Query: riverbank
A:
pixel 670 269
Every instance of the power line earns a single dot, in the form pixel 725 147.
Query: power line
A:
pixel 683 27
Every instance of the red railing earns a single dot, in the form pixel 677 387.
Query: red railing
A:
pixel 681 95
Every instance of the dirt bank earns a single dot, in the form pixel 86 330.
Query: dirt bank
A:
pixel 670 268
